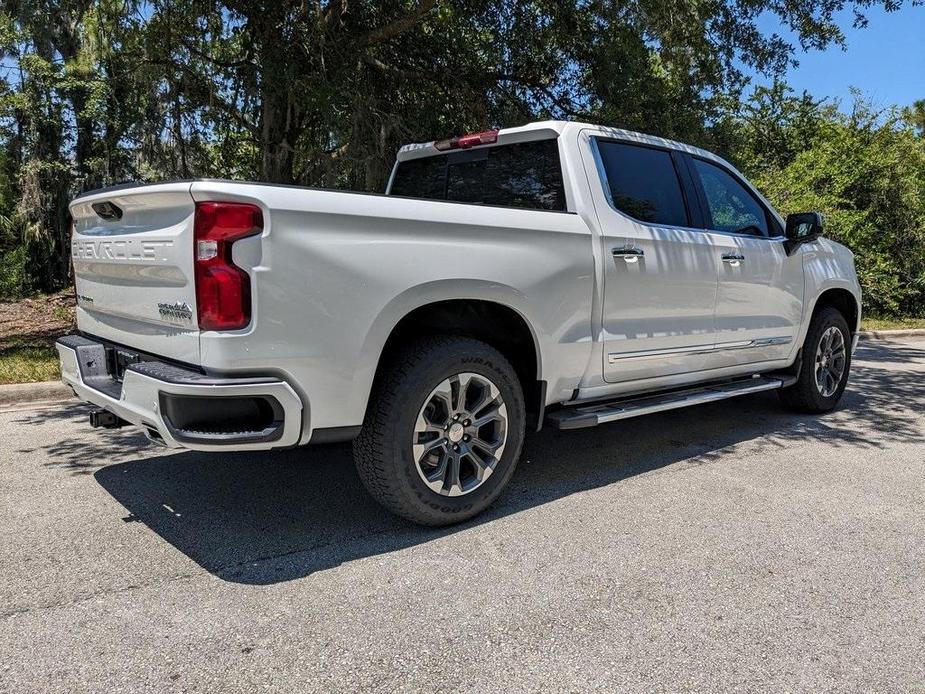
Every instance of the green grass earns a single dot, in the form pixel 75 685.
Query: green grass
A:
pixel 891 323
pixel 28 364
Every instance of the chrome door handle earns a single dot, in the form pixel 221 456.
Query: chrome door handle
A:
pixel 733 258
pixel 630 255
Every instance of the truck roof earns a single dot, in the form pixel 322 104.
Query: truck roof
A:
pixel 539 130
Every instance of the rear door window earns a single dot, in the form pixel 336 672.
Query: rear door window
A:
pixel 643 183
pixel 525 175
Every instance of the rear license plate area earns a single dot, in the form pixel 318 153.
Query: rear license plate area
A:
pixel 119 359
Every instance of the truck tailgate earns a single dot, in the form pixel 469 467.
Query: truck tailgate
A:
pixel 132 250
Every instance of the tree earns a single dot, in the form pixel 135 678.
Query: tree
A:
pixel 865 170
pixel 322 92
pixel 51 109
pixel 915 116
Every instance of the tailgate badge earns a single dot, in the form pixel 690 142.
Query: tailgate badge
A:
pixel 107 210
pixel 179 309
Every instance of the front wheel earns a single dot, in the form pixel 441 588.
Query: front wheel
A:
pixel 443 431
pixel 826 362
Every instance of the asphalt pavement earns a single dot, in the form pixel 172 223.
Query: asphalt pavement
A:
pixel 727 547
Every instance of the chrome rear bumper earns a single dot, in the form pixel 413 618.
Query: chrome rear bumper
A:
pixel 182 408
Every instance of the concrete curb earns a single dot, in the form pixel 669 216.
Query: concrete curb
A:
pixel 891 334
pixel 14 394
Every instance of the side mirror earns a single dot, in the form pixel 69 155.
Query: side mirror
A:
pixel 802 227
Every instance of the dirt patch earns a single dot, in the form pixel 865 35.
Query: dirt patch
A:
pixel 38 321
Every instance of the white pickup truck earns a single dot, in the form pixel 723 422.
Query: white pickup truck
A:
pixel 558 272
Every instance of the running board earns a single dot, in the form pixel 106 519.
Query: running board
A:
pixel 580 416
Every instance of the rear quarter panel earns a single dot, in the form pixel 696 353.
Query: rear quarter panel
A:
pixel 334 272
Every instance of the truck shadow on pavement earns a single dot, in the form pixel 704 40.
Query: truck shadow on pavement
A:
pixel 77 455
pixel 258 518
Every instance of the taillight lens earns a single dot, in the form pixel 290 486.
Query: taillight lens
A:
pixel 223 290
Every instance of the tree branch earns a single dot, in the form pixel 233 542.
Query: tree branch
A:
pixel 335 8
pixel 397 27
pixel 213 99
pixel 566 108
pixel 246 60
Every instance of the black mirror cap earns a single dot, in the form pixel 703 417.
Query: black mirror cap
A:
pixel 803 227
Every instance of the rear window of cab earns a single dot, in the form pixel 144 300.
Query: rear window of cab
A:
pixel 524 175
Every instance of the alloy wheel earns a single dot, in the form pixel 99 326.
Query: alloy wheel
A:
pixel 460 434
pixel 830 361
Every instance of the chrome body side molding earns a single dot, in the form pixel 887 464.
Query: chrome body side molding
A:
pixel 700 349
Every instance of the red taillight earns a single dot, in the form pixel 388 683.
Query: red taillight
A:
pixel 223 290
pixel 486 137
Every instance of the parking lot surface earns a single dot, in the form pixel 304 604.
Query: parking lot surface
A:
pixel 727 547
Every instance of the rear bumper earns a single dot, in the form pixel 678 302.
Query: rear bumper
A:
pixel 182 408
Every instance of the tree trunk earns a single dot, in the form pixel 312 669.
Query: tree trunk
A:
pixel 276 133
pixel 279 125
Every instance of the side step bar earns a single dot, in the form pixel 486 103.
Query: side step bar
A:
pixel 580 416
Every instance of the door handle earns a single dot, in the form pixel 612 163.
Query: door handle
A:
pixel 630 255
pixel 733 258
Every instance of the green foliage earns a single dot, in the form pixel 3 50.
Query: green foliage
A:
pixel 23 257
pixel 915 116
pixel 97 92
pixel 13 282
pixel 865 171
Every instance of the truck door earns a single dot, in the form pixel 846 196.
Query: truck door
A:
pixel 759 300
pixel 660 273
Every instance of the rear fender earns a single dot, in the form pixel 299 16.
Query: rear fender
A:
pixel 422 295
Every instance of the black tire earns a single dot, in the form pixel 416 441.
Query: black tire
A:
pixel 383 450
pixel 805 394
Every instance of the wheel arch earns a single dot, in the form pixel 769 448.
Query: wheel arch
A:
pixel 493 313
pixel 843 301
pixel 841 294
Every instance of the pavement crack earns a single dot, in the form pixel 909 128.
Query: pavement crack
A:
pixel 98 594
pixel 219 572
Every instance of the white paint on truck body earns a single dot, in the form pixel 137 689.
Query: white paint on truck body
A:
pixel 332 273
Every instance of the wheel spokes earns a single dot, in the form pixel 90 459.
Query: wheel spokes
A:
pixel 452 481
pixel 830 362
pixel 459 434
pixel 460 384
pixel 423 427
pixel 481 467
pixel 438 474
pixel 488 394
pixel 490 413
pixel 422 448
pixel 444 395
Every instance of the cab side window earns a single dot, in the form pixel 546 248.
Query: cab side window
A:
pixel 730 205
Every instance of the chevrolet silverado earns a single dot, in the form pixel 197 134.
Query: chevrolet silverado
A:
pixel 559 273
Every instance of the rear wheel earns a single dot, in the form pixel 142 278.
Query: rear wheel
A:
pixel 443 431
pixel 826 362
